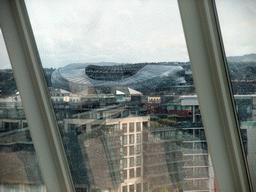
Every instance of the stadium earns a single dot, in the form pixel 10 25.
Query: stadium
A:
pixel 80 77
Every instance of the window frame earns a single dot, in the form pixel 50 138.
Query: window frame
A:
pixel 210 73
pixel 28 73
pixel 208 63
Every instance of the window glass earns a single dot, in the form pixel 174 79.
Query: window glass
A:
pixel 138 160
pixel 118 74
pixel 138 187
pixel 131 127
pixel 131 161
pixel 131 188
pixel 124 163
pixel 131 139
pixel 131 150
pixel 124 189
pixel 125 139
pixel 138 172
pixel 138 137
pixel 131 173
pixel 138 126
pixel 237 22
pixel 138 149
pixel 19 164
pixel 124 151
pixel 125 127
pixel 125 174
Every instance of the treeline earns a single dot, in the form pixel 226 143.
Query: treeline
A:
pixel 8 85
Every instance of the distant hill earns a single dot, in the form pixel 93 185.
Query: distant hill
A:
pixel 245 58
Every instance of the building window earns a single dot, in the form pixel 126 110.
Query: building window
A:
pixel 131 127
pixel 25 125
pixel 139 138
pixel 124 174
pixel 138 126
pixel 116 128
pixel 125 139
pixel 138 160
pixel 131 161
pixel 125 189
pixel 124 163
pixel 131 139
pixel 138 172
pixel 124 127
pixel 131 150
pixel 138 187
pixel 138 149
pixel 131 173
pixel 124 151
pixel 131 188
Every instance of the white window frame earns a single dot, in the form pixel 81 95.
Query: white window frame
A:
pixel 213 87
pixel 27 69
pixel 208 63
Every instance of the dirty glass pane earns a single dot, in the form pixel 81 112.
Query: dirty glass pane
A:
pixel 19 170
pixel 123 93
pixel 238 24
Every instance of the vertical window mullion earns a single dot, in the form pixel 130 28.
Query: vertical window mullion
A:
pixel 208 63
pixel 30 80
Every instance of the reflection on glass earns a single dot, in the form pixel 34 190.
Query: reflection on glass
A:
pixel 123 94
pixel 237 21
pixel 19 165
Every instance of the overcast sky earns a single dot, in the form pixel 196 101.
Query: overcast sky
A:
pixel 127 31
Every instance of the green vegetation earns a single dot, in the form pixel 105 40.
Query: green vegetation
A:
pixel 162 122
pixel 7 83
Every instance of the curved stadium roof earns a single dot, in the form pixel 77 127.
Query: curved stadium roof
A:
pixel 112 73
pixel 76 77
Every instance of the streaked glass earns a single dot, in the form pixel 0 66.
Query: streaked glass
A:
pixel 123 93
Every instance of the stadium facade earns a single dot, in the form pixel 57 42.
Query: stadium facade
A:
pixel 78 77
